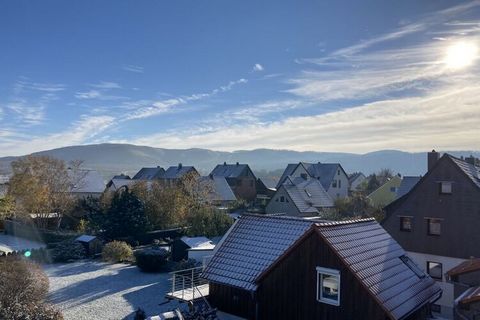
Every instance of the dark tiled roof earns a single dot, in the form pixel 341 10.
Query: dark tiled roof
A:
pixel 218 188
pixel 256 243
pixel 323 171
pixel 86 181
pixel 149 174
pixel 178 172
pixel 465 267
pixel 352 177
pixel 307 195
pixel 375 258
pixel 229 170
pixel 408 182
pixel 287 172
pixel 472 171
pixel 251 246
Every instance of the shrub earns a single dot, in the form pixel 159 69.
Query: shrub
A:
pixel 68 250
pixel 186 264
pixel 23 290
pixel 117 251
pixel 151 260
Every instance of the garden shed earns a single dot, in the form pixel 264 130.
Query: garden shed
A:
pixel 192 248
pixel 92 244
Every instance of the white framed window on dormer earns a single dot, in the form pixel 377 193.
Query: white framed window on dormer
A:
pixel 328 286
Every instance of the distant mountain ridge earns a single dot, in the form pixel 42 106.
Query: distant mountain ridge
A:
pixel 111 159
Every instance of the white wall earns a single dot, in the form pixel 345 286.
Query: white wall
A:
pixel 447 299
pixel 199 254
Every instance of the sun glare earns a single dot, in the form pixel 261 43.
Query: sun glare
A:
pixel 461 55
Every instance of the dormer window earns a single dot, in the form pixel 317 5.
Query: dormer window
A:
pixel 446 187
pixel 328 286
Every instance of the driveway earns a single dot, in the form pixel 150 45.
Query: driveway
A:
pixel 91 290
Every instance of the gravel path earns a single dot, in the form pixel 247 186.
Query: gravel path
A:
pixel 91 290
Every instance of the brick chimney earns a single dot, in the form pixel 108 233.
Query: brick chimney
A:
pixel 179 166
pixel 432 159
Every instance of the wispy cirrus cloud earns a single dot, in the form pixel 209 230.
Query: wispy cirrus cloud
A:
pixel 106 85
pixel 87 127
pixel 163 106
pixel 133 68
pixel 24 84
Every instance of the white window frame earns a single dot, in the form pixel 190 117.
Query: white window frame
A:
pixel 329 272
pixel 448 185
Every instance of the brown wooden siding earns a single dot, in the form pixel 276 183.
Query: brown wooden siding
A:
pixel 460 212
pixel 232 300
pixel 289 290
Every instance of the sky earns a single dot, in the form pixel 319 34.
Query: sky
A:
pixel 339 76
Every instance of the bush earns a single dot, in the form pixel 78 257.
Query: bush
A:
pixel 68 250
pixel 187 264
pixel 151 260
pixel 117 251
pixel 23 290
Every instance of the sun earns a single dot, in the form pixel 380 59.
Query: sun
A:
pixel 461 54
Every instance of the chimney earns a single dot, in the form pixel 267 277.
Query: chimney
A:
pixel 225 163
pixel 237 163
pixel 432 159
pixel 304 176
pixel 179 166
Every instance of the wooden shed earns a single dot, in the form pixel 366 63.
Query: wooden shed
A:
pixel 92 244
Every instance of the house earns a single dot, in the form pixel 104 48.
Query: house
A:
pixel 274 267
pixel 386 193
pixel 4 185
pixel 86 183
pixel 331 175
pixel 264 193
pixel 192 248
pixel 118 182
pixel 437 220
pixel 239 177
pixel 466 289
pixel 149 173
pixel 355 180
pixel 175 173
pixel 408 182
pixel 300 196
pixel 217 191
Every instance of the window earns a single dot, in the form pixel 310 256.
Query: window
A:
pixel 445 187
pixel 282 199
pixel 334 183
pixel 308 193
pixel 393 189
pixel 434 227
pixel 328 286
pixel 339 183
pixel 434 270
pixel 409 263
pixel 406 224
pixel 338 172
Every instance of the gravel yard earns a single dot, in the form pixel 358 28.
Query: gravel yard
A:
pixel 91 290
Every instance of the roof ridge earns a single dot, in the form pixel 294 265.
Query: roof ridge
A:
pixel 344 222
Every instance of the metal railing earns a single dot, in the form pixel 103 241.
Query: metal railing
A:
pixel 186 284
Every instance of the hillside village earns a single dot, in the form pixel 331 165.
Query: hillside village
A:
pixel 325 242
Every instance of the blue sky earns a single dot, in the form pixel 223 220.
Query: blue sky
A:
pixel 353 76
